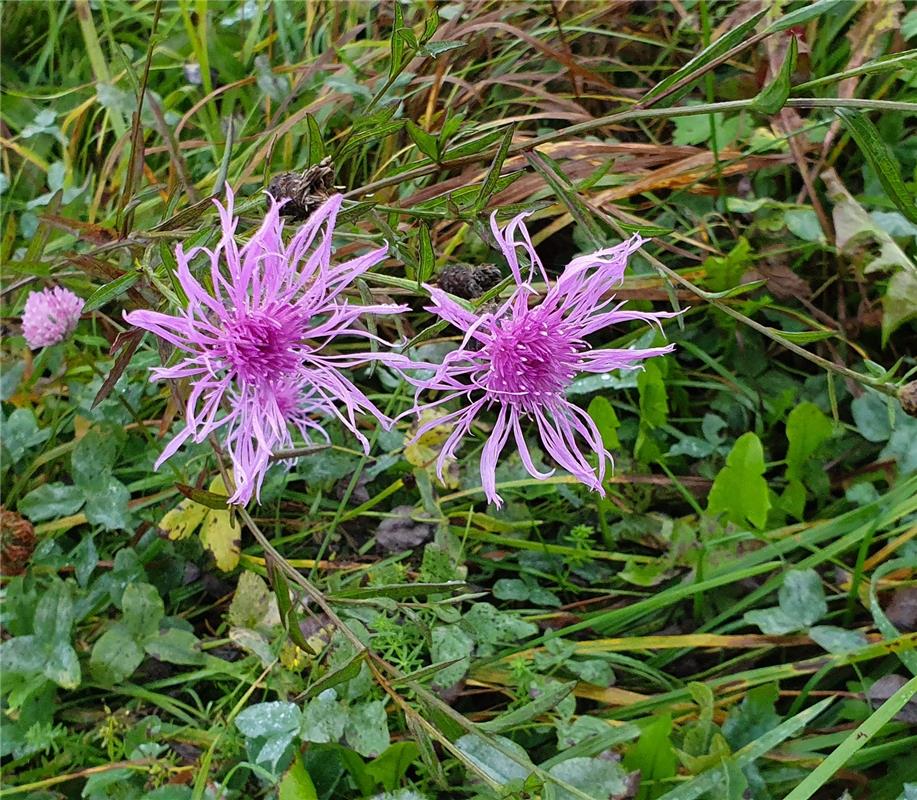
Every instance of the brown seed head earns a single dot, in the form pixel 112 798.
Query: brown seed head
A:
pixel 17 542
pixel 304 191
pixel 907 395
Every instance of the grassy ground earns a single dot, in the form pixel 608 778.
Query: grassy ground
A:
pixel 735 619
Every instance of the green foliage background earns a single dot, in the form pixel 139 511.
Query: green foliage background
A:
pixel 735 619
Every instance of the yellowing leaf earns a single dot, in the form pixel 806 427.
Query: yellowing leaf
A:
pixel 221 538
pixel 424 451
pixel 217 532
pixel 293 657
pixel 856 231
pixel 183 520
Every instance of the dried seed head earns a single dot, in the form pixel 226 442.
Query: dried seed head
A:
pixel 17 542
pixel 907 394
pixel 304 191
pixel 487 276
pixel 467 281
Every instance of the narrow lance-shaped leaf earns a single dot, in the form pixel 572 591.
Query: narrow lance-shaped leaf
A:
pixel 713 51
pixel 110 291
pixel 427 257
pixel 425 142
pixel 774 95
pixel 493 176
pixel 316 144
pixel 881 159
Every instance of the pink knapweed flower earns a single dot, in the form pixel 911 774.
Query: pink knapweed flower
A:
pixel 520 358
pixel 253 348
pixel 50 316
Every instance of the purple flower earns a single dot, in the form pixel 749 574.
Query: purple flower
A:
pixel 253 348
pixel 50 316
pixel 520 358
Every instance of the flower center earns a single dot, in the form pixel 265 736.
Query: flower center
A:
pixel 532 359
pixel 261 346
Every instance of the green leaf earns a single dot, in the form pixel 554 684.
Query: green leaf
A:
pixel 773 96
pixel 209 499
pixel 753 717
pixel 597 777
pixel 654 402
pixel 175 646
pixel 316 144
pixel 51 501
pixel 900 446
pixel 349 671
pixel 296 783
pixel 511 589
pixel 267 719
pixel 143 610
pixel 898 303
pixel 652 754
pixel 323 719
pixel 270 729
pixel 803 222
pixel 251 602
pixel 289 617
pixel 802 597
pixel 711 52
pixel 115 656
pixel 94 457
pixel 110 291
pixel 106 505
pixel 21 432
pixel 546 700
pixel 725 272
pixel 390 768
pixel 427 261
pixel 371 135
pixel 498 766
pixel 735 291
pixel 10 379
pixel 366 729
pixel 804 14
pixel 793 499
pixel 710 779
pixel 473 147
pixel 425 142
pixel 491 182
pixel 772 621
pixel 647 230
pixel 881 159
pixel 802 603
pixel 805 337
pixel 806 428
pixel 430 26
pixel 838 640
pixel 739 491
pixel 489 625
pixel 450 642
pixel 435 49
pixel 593 670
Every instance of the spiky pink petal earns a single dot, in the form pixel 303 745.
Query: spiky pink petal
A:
pixel 253 348
pixel 520 359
